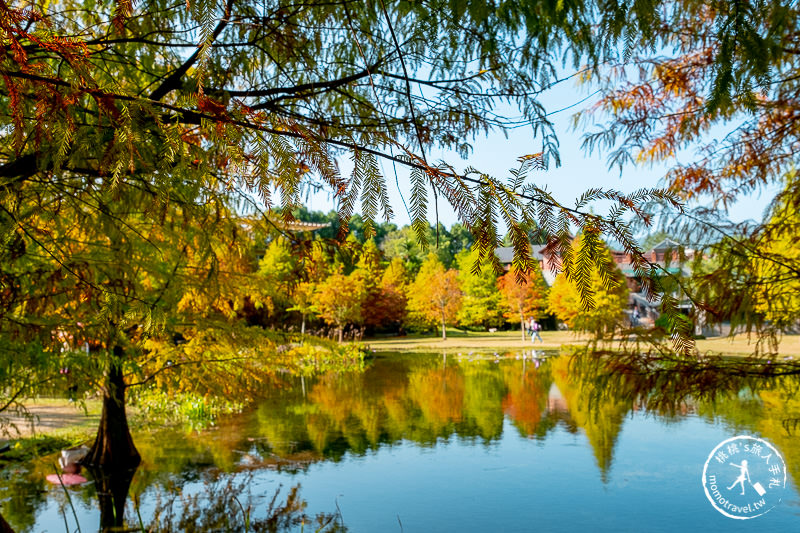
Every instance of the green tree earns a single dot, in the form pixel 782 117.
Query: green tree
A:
pixel 106 267
pixel 460 238
pixel 403 244
pixel 278 272
pixel 303 301
pixel 480 302
pixel 234 84
pixel 194 106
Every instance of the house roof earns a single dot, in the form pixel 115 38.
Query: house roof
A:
pixel 506 253
pixel 627 269
pixel 667 244
pixel 298 225
pixel 506 256
pixel 640 299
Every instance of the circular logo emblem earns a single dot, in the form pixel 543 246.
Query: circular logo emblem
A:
pixel 744 477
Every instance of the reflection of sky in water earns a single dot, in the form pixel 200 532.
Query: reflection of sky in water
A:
pixel 518 484
pixel 471 465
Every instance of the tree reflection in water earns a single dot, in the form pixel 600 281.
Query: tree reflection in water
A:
pixel 227 504
pixel 112 488
pixel 224 502
pixel 200 481
pixel 750 395
pixel 424 400
pixel 667 384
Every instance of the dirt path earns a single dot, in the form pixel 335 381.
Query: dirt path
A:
pixel 46 417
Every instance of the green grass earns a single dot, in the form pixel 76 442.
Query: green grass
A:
pixel 58 424
pixel 30 448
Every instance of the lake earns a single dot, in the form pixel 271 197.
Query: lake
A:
pixel 514 441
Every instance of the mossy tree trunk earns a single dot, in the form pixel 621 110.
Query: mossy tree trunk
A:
pixel 113 447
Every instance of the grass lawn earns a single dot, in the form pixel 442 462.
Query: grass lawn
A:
pixel 460 340
pixel 741 345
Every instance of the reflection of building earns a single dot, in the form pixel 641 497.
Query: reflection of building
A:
pixel 555 401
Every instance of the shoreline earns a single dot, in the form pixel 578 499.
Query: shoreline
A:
pixel 738 346
pixel 59 418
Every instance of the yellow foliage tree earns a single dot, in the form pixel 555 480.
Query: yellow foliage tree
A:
pixel 339 300
pixel 601 313
pixel 776 268
pixel 278 271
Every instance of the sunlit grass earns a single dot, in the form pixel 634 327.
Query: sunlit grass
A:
pixel 460 339
pixel 739 345
pixel 742 345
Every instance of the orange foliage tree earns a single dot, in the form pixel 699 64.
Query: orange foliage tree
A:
pixel 683 100
pixel 385 303
pixel 524 297
pixel 434 296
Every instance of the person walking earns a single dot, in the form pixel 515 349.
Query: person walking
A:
pixel 535 327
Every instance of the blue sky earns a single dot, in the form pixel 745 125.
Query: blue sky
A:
pixel 579 171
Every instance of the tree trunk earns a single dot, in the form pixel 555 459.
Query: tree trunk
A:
pixel 522 325
pixel 341 334
pixel 444 328
pixel 113 447
pixel 4 527
pixel 303 325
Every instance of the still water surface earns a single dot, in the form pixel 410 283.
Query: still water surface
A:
pixel 428 443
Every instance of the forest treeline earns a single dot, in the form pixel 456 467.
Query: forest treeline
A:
pixel 389 283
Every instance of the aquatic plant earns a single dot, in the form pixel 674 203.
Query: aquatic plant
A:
pixel 229 505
